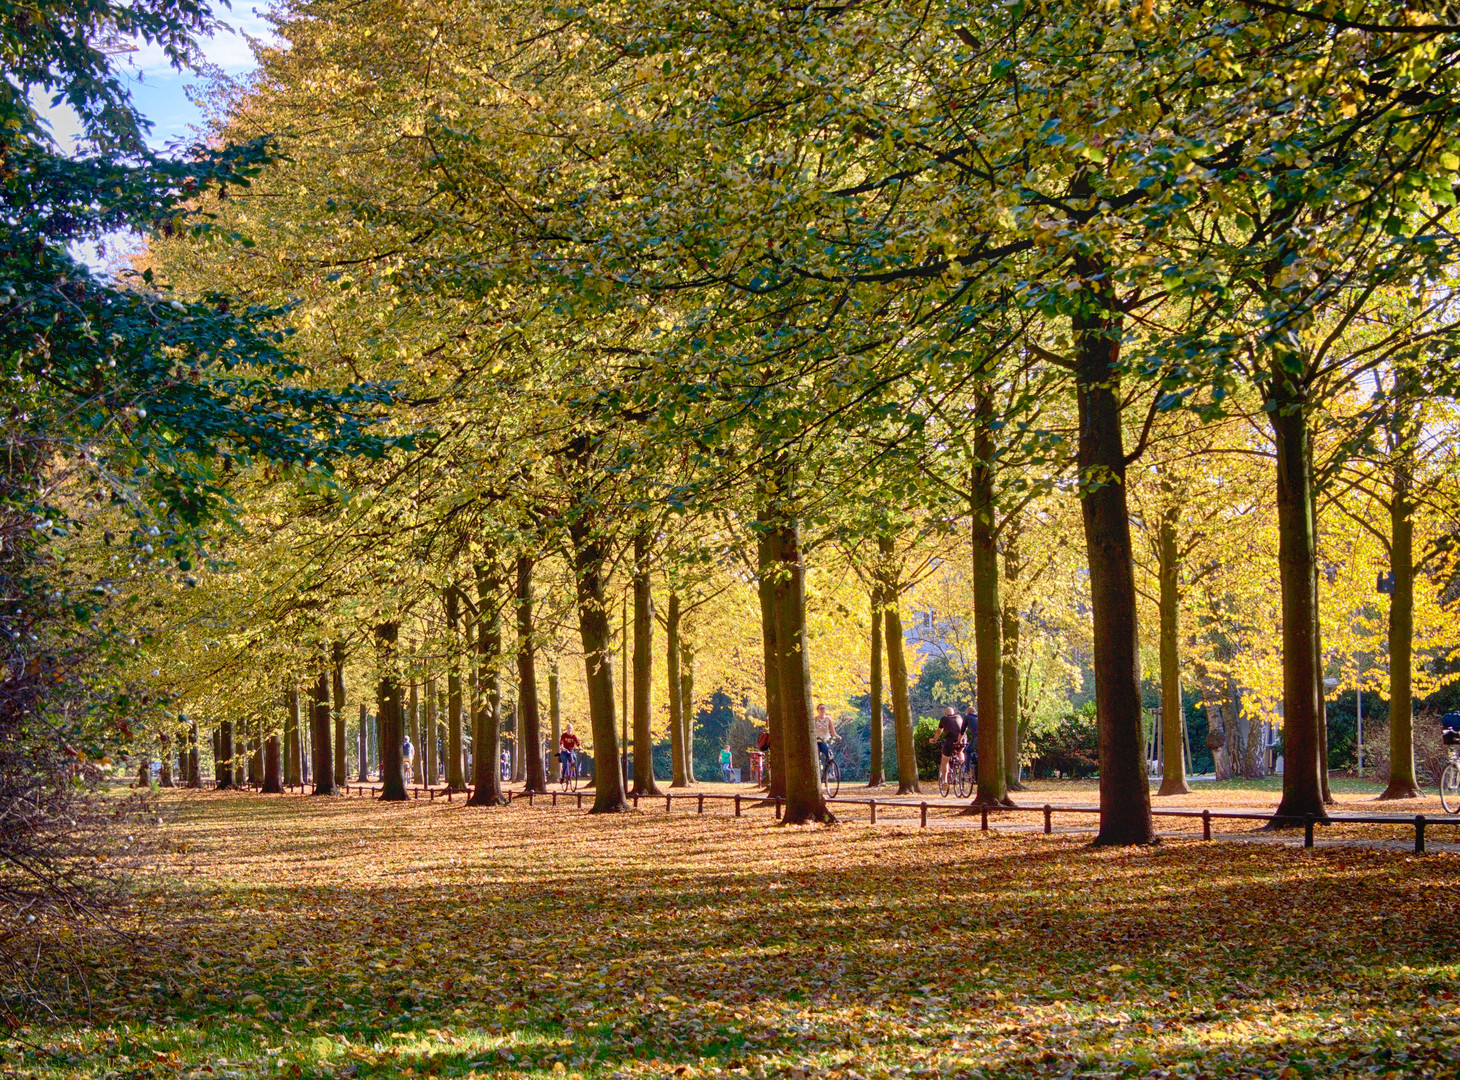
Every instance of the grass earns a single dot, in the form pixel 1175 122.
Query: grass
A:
pixel 344 938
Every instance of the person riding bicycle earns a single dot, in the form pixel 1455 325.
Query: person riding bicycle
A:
pixel 825 734
pixel 970 732
pixel 567 747
pixel 951 742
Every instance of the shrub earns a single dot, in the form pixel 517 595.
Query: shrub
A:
pixel 925 748
pixel 1070 748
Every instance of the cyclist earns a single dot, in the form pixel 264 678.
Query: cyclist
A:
pixel 567 747
pixel 950 742
pixel 825 734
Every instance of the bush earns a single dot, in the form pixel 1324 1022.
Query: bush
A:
pixel 1072 748
pixel 925 747
pixel 1431 755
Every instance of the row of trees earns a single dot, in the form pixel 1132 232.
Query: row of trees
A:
pixel 675 300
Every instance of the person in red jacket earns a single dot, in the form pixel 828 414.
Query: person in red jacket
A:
pixel 567 747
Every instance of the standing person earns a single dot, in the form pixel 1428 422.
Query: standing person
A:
pixel 725 762
pixel 951 741
pixel 506 764
pixel 825 733
pixel 567 749
pixel 405 750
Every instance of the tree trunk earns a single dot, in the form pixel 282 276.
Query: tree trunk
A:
pixel 804 801
pixel 1402 783
pixel 388 718
pixel 1298 574
pixel 1125 793
pixel 687 698
pixel 273 774
pixel 1173 766
pixel 679 761
pixel 530 721
pixel 292 747
pixel 165 780
pixel 874 691
pixel 597 640
pixel 643 661
pixel 363 743
pixel 195 776
pixel 775 757
pixel 414 719
pixel 225 754
pixel 255 753
pixel 555 722
pixel 455 778
pixel 986 610
pixel 907 762
pixel 323 761
pixel 337 687
pixel 428 735
pixel 1010 680
pixel 486 740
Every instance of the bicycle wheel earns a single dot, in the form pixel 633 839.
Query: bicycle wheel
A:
pixel 831 780
pixel 945 782
pixel 960 787
pixel 1450 788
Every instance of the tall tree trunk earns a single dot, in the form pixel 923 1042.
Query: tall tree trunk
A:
pixel 804 800
pixel 1125 793
pixel 255 753
pixel 644 782
pixel 429 733
pixel 195 776
pixel 555 722
pixel 1173 766
pixel 874 691
pixel 597 640
pixel 687 698
pixel 679 761
pixel 363 743
pixel 324 761
pixel 293 774
pixel 1402 783
pixel 165 780
pixel 225 754
pixel 486 741
pixel 907 761
pixel 1009 649
pixel 389 719
pixel 273 778
pixel 775 757
pixel 1298 574
pixel 986 610
pixel 455 778
pixel 415 730
pixel 527 710
pixel 337 687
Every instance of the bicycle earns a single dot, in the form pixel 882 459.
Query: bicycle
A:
pixel 831 777
pixel 1450 776
pixel 960 777
pixel 570 773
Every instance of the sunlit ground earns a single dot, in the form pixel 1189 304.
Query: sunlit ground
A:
pixel 344 937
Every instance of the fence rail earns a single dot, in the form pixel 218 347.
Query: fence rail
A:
pixel 1420 823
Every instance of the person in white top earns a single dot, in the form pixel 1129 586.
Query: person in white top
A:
pixel 825 733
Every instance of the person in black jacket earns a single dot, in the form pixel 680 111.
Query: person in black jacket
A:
pixel 970 732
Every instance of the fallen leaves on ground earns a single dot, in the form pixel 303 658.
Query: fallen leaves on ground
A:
pixel 345 938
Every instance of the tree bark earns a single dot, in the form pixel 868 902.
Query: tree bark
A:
pixel 1298 575
pixel 363 743
pixel 455 777
pixel 225 754
pixel 1168 568
pixel 555 722
pixel 486 740
pixel 337 686
pixel 530 721
pixel 273 778
pixel 687 698
pixel 775 757
pixel 804 800
pixel 323 761
pixel 195 776
pixel 388 717
pixel 907 762
pixel 428 735
pixel 414 720
pixel 597 640
pixel 1009 649
pixel 874 692
pixel 255 753
pixel 643 661
pixel 987 614
pixel 165 779
pixel 1125 793
pixel 292 747
pixel 1402 782
pixel 678 759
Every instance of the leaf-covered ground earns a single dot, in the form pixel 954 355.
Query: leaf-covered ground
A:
pixel 342 937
